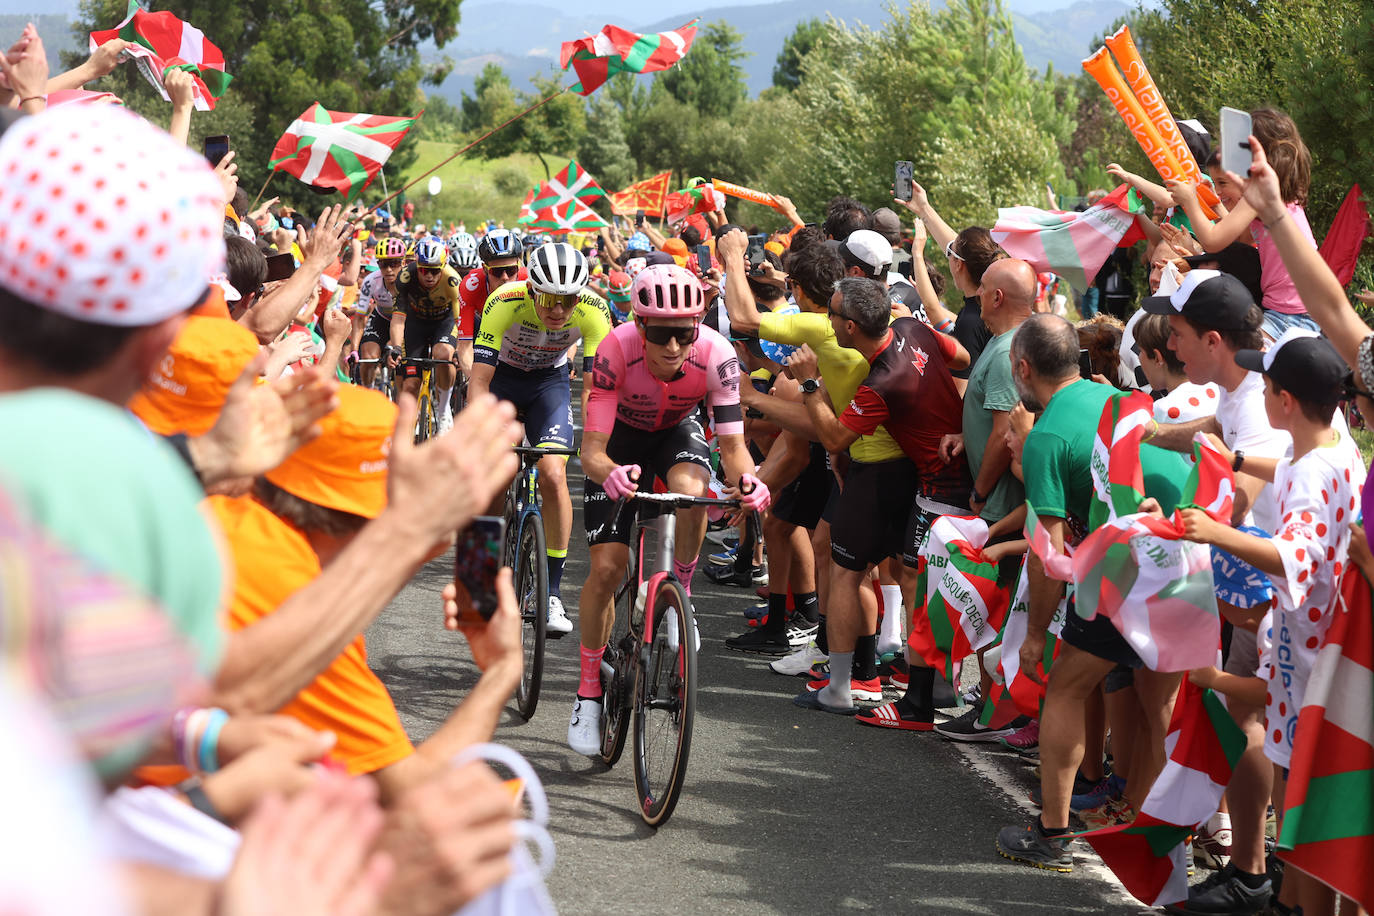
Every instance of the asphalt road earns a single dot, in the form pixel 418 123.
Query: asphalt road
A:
pixel 784 810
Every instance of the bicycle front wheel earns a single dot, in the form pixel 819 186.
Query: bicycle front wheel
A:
pixel 427 426
pixel 665 704
pixel 619 657
pixel 532 591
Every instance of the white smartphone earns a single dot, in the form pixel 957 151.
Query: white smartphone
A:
pixel 1235 141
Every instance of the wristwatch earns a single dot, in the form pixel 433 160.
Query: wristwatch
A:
pixel 810 386
pixel 1237 460
pixel 975 496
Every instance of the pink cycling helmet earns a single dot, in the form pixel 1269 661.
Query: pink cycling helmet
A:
pixel 667 291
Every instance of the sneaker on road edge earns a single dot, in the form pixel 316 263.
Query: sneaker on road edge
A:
pixel 799 662
pixel 1108 789
pixel 1212 849
pixel 1025 740
pixel 892 671
pixel 801 633
pixel 869 691
pixel 967 727
pixel 1224 893
pixel 1029 847
pixel 890 715
pixel 760 641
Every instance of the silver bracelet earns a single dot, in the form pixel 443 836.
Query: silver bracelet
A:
pixel 1365 361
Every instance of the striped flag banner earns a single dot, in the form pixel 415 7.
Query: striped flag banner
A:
pixel 964 608
pixel 613 50
pixel 648 195
pixel 338 149
pixel 526 213
pixel 1025 693
pixel 162 42
pixel 573 183
pixel 1149 854
pixel 1328 821
pixel 567 216
pixel 1071 245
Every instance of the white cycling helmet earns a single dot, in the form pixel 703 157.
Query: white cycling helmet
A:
pixel 558 269
pixel 462 249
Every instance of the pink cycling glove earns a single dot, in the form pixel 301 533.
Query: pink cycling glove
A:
pixel 621 481
pixel 758 498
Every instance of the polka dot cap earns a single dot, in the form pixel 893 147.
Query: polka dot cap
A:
pixel 105 218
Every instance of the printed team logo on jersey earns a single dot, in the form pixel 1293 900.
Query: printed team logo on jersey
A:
pixel 602 375
pixel 919 358
pixel 168 365
pixel 854 406
pixel 729 372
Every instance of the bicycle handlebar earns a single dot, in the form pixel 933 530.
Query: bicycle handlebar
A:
pixel 683 500
pixel 541 452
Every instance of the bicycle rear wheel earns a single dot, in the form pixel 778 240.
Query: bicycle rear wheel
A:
pixel 532 592
pixel 664 705
pixel 618 688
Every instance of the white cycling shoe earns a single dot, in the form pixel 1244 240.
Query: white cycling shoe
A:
pixel 559 624
pixel 670 623
pixel 584 728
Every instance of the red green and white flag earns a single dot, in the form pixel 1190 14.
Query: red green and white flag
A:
pixel 162 42
pixel 1025 693
pixel 338 149
pixel 569 216
pixel 573 183
pixel 1071 245
pixel 1328 821
pixel 526 214
pixel 613 50
pixel 698 197
pixel 964 608
pixel 1149 855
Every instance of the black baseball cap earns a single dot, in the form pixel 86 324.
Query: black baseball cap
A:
pixel 1210 298
pixel 1238 259
pixel 1301 362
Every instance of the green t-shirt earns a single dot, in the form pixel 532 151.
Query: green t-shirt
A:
pixel 991 389
pixel 99 483
pixel 841 368
pixel 1057 459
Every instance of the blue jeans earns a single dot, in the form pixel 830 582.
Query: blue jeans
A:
pixel 1275 323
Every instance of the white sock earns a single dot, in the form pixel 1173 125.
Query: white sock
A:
pixel 839 692
pixel 445 400
pixel 890 634
pixel 1219 821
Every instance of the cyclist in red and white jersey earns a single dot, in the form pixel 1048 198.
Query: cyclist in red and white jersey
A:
pixel 500 253
pixel 648 380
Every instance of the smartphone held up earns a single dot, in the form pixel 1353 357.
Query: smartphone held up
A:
pixel 476 560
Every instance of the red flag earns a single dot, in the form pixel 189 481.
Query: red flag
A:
pixel 648 195
pixel 1341 247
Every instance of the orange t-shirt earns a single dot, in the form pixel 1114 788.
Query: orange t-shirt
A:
pixel 273 560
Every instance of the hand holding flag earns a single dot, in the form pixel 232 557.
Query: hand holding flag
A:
pixel 161 42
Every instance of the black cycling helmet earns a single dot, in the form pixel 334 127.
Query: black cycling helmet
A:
pixel 497 245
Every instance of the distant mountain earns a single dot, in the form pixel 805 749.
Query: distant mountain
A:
pixel 1048 31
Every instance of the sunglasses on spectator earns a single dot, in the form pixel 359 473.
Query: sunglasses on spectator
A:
pixel 951 253
pixel 510 270
pixel 660 334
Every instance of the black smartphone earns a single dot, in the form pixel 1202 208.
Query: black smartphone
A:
pixel 904 175
pixel 216 148
pixel 1085 364
pixel 754 254
pixel 703 259
pixel 476 559
pixel 280 266
pixel 639 217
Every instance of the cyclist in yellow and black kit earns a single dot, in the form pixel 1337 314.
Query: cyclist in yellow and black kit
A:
pixel 521 355
pixel 425 319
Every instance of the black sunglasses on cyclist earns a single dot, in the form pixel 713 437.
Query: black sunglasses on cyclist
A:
pixel 510 270
pixel 660 334
pixel 431 270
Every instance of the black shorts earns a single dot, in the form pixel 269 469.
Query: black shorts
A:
pixel 422 335
pixel 1100 638
pixel 832 498
pixel 919 522
pixel 377 330
pixel 543 401
pixel 871 515
pixel 655 453
pixel 803 500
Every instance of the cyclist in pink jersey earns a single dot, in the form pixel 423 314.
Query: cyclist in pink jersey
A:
pixel 648 380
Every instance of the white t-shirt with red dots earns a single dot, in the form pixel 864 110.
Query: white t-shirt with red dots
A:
pixel 1319 497
pixel 1186 402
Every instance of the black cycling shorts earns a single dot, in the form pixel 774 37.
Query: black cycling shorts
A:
pixel 378 329
pixel 655 453
pixel 543 401
pixel 803 500
pixel 422 335
pixel 871 514
pixel 1098 637
pixel 919 522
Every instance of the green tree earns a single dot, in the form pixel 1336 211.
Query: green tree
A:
pixel 709 78
pixel 492 100
pixel 603 150
pixel 348 55
pixel 787 72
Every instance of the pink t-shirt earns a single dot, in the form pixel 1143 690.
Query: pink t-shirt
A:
pixel 1280 295
pixel 624 391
